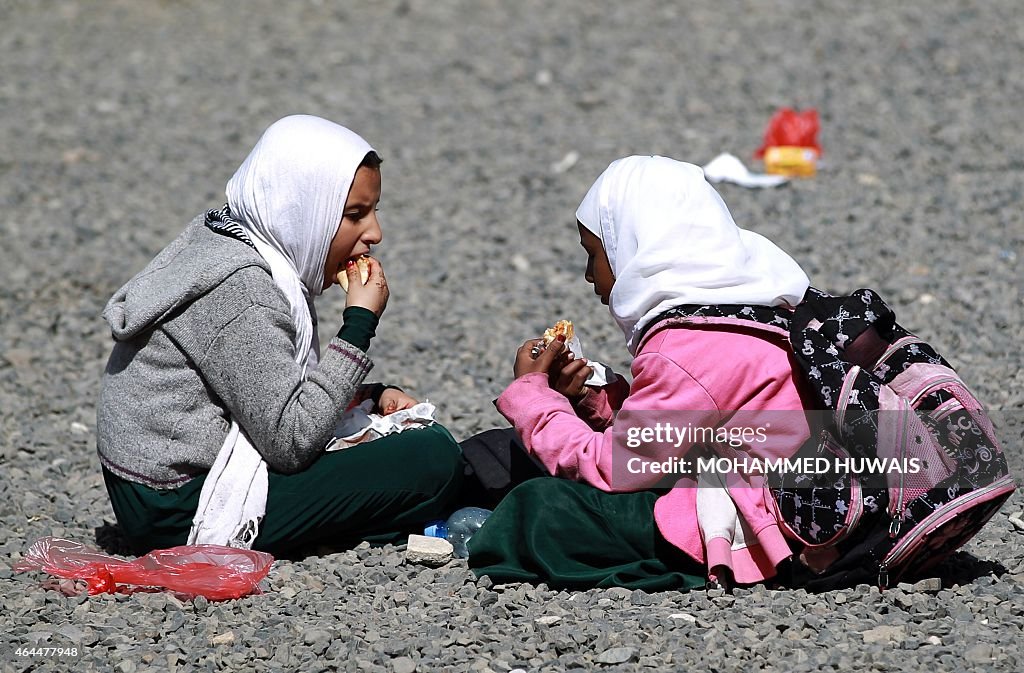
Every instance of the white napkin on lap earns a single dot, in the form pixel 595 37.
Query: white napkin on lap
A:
pixel 359 425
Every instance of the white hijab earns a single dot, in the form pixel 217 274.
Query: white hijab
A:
pixel 289 195
pixel 671 241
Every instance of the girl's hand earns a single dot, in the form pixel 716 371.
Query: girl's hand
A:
pixel 374 295
pixel 528 363
pixel 392 400
pixel 568 376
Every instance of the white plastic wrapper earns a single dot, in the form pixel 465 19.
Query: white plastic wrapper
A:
pixel 358 425
pixel 603 375
pixel 728 168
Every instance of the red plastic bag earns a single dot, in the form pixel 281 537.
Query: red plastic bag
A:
pixel 787 127
pixel 216 572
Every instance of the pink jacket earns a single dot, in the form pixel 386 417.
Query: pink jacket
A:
pixel 710 369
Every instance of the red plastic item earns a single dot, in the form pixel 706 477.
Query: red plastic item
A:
pixel 216 572
pixel 787 127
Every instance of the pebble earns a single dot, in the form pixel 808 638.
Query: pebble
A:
pixel 429 551
pixel 884 634
pixel 616 655
pixel 683 616
pixel 982 653
pixel 226 638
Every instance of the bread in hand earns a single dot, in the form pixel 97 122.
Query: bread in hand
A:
pixel 561 328
pixel 363 263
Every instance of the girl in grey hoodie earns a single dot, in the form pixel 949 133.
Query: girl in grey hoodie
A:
pixel 217 366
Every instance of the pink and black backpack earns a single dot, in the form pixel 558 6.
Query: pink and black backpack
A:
pixel 887 396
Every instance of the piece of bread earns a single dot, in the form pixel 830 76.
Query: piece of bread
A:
pixel 561 328
pixel 363 263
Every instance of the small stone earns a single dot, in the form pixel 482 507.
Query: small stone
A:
pixel 226 638
pixel 404 664
pixel 616 655
pixel 884 634
pixel 934 640
pixel 618 593
pixel 548 620
pixel 979 654
pixel 684 616
pixel 429 551
pixel 520 263
pixel 930 584
pixel 316 636
pixel 565 163
pixel 72 633
pixel 1017 522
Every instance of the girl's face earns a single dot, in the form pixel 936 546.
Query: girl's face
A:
pixel 359 227
pixel 599 271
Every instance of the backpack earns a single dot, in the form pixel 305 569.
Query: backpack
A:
pixel 887 396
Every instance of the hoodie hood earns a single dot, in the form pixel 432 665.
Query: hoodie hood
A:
pixel 192 265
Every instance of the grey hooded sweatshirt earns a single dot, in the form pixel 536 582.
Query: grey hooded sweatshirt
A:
pixel 203 335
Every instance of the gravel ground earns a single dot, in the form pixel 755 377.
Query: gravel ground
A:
pixel 123 119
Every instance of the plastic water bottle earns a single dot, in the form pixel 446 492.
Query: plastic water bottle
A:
pixel 436 528
pixel 461 526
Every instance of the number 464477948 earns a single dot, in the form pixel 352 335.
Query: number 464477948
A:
pixel 37 651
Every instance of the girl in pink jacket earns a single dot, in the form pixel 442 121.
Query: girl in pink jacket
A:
pixel 627 510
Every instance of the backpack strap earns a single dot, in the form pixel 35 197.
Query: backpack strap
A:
pixel 772 319
pixel 859 325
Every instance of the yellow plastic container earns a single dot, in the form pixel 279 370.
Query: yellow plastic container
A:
pixel 791 160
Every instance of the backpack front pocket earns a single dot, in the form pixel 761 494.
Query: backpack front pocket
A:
pixel 947 528
pixel 821 509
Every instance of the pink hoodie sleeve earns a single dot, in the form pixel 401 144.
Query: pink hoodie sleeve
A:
pixel 570 448
pixel 599 405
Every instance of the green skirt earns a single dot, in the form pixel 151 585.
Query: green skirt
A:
pixel 574 536
pixel 379 491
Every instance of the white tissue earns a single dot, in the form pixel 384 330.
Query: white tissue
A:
pixel 358 425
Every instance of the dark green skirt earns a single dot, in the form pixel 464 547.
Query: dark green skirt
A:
pixel 380 491
pixel 574 536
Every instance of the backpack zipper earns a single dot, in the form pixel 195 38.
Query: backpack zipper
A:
pixel 844 392
pixel 897 517
pixel 897 553
pixel 932 386
pixel 900 343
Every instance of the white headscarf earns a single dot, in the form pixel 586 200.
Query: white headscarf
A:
pixel 671 241
pixel 289 195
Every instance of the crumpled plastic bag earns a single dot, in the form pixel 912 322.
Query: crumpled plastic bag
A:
pixel 787 127
pixel 728 168
pixel 213 571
